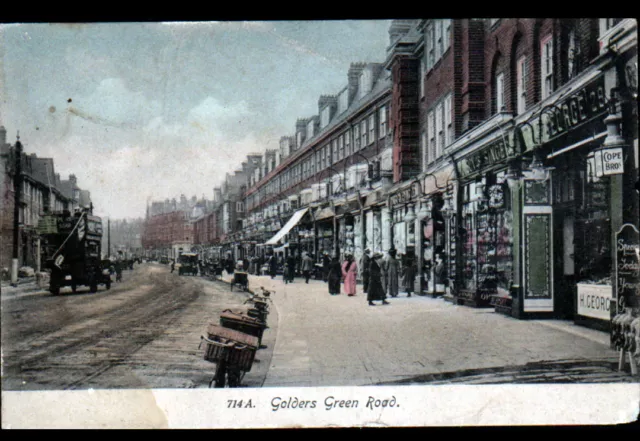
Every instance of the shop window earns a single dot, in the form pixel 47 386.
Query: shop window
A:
pixel 546 67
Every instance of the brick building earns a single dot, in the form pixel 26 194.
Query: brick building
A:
pixel 475 150
pixel 42 192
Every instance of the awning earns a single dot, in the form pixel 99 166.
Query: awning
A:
pixel 324 213
pixel 288 226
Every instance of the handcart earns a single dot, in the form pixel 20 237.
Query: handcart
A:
pixel 232 351
pixel 240 280
pixel 244 323
pixel 260 301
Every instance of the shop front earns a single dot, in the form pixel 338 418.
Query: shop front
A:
pixel 484 240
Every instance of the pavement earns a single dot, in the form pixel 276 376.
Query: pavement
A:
pixel 27 286
pixel 324 340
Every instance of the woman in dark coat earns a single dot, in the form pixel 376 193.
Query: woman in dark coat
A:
pixel 409 273
pixel 375 291
pixel 334 276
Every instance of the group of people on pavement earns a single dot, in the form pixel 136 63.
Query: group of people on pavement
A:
pixel 380 276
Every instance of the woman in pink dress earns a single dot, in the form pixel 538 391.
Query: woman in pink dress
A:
pixel 349 272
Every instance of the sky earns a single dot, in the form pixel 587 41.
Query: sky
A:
pixel 148 111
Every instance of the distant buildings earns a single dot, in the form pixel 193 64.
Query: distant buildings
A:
pixel 168 228
pixel 42 191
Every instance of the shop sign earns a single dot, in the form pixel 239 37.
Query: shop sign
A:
pixel 496 196
pixel 47 225
pixel 608 161
pixel 402 197
pixel 594 301
pixel 583 105
pixel 494 153
pixel 627 283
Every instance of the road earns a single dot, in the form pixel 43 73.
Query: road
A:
pixel 143 333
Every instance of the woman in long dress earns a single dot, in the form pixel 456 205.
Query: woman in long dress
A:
pixel 392 270
pixel 375 291
pixel 334 276
pixel 349 273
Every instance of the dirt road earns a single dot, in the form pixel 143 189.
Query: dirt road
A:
pixel 143 333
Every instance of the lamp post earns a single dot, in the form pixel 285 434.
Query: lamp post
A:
pixel 17 187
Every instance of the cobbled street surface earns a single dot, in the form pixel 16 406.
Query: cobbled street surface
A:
pixel 145 332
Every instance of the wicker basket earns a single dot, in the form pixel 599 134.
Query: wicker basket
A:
pixel 243 323
pixel 237 348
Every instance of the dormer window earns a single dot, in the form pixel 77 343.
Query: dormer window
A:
pixel 343 101
pixel 311 128
pixel 364 83
pixel 324 117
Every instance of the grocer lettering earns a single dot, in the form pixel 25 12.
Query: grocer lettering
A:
pixel 594 302
pixel 575 109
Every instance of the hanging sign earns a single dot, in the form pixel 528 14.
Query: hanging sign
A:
pixel 627 283
pixel 608 161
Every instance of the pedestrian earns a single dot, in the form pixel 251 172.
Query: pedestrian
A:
pixel 334 276
pixel 364 265
pixel 349 272
pixel 391 271
pixel 273 265
pixel 307 266
pixel 326 262
pixel 375 290
pixel 290 269
pixel 119 268
pixel 173 265
pixel 409 273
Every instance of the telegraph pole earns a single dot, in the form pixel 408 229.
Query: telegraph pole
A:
pixel 17 189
